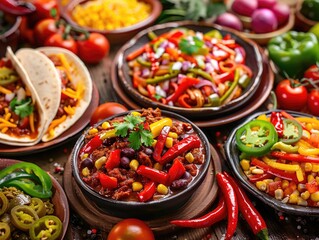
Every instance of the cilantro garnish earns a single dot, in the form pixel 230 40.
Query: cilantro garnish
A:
pixel 133 127
pixel 22 108
pixel 191 46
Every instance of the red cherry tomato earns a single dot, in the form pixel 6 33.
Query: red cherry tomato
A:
pixel 291 95
pixel 56 40
pixel 106 110
pixel 312 72
pixel 131 229
pixel 313 102
pixel 93 49
pixel 44 29
pixel 44 8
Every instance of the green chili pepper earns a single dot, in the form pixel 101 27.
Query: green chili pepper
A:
pixel 214 34
pixel 48 227
pixel 7 76
pixel 232 87
pixel 293 52
pixel 23 217
pixel 256 137
pixel 5 231
pixel 4 203
pixel 285 147
pixel 163 78
pixel 152 35
pixel 144 63
pixel 292 131
pixel 38 206
pixel 15 175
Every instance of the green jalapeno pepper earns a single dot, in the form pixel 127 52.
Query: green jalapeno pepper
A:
pixel 292 131
pixel 48 227
pixel 38 206
pixel 23 217
pixel 4 203
pixel 5 231
pixel 256 137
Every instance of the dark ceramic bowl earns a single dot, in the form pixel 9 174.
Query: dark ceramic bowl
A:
pixel 145 210
pixel 302 22
pixel 232 157
pixel 120 35
pixel 59 199
pixel 253 60
pixel 11 36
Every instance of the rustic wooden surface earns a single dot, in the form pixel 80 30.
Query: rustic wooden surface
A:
pixel 281 226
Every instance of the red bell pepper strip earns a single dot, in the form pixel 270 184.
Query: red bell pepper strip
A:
pixel 172 52
pixel 216 215
pixel 248 210
pixel 277 121
pixel 226 76
pixel 176 171
pixel 159 146
pixel 91 145
pixel 17 7
pixel 259 177
pixel 231 204
pixel 148 192
pixel 135 54
pixel 295 157
pixel 107 181
pixel 183 85
pixel 179 148
pixel 153 174
pixel 113 160
pixel 182 101
pixel 278 173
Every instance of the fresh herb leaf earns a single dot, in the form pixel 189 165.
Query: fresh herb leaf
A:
pixel 135 140
pixel 191 46
pixel 22 108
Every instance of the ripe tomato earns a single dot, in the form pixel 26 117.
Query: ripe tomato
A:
pixel 44 8
pixel 291 95
pixel 106 110
pixel 56 40
pixel 93 49
pixel 313 102
pixel 131 229
pixel 44 29
pixel 312 72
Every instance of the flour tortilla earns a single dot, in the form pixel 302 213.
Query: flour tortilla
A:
pixel 26 141
pixel 79 74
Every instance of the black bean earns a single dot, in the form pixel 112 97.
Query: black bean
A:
pixel 128 152
pixel 148 151
pixel 187 176
pixel 179 183
pixel 87 163
pixel 108 141
pixel 125 162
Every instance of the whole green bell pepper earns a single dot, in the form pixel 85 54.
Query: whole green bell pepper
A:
pixel 293 52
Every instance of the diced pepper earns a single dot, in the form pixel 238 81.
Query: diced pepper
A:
pixel 153 174
pixel 148 192
pixel 159 146
pixel 107 181
pixel 91 145
pixel 184 84
pixel 157 127
pixel 113 160
pixel 176 171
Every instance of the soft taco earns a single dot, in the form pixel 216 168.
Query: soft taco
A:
pixel 69 93
pixel 22 116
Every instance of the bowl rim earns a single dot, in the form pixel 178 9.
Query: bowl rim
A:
pixel 198 179
pixel 302 17
pixel 12 29
pixel 209 110
pixel 156 11
pixel 232 158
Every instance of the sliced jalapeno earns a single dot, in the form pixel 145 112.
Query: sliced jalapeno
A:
pixel 292 131
pixel 38 206
pixel 256 137
pixel 48 227
pixel 4 203
pixel 5 231
pixel 23 217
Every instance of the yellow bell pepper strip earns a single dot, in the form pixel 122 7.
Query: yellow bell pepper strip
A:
pixel 281 166
pixel 285 147
pixel 295 157
pixel 184 84
pixel 308 151
pixel 156 127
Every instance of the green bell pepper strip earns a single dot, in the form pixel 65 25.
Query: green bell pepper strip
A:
pixel 285 147
pixel 14 176
pixel 41 190
pixel 256 137
pixel 201 73
pixel 48 227
pixel 232 87
pixel 158 79
pixel 292 131
pixel 293 52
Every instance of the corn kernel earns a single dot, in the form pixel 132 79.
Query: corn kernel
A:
pixel 85 172
pixel 263 117
pixel 162 189
pixel 315 167
pixel 284 184
pixel 158 166
pixel 268 180
pixel 93 130
pixel 134 164
pixel 261 185
pixel 189 157
pixel 302 202
pixel 301 187
pixel 84 156
pixel 245 164
pixel 305 195
pixel 99 163
pixel 308 167
pixel 257 171
pixel 310 178
pixel 137 186
pixel 279 194
pixel 106 125
pixel 169 142
pixel 293 198
pixel 173 135
pixel 134 113
pixel 314 196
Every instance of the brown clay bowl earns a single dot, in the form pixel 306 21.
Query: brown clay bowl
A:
pixel 253 60
pixel 59 199
pixel 11 36
pixel 119 35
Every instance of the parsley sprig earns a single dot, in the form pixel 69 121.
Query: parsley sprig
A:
pixel 23 108
pixel 133 127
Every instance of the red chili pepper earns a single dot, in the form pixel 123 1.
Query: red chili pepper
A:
pixel 182 101
pixel 216 215
pixel 231 204
pixel 17 7
pixel 226 76
pixel 148 192
pixel 176 171
pixel 107 181
pixel 294 157
pixel 91 145
pixel 249 212
pixel 259 177
pixel 159 146
pixel 179 148
pixel 278 173
pixel 277 121
pixel 113 160
pixel 153 174
pixel 183 85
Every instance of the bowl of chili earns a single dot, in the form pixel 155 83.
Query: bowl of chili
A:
pixel 194 69
pixel 275 156
pixel 143 163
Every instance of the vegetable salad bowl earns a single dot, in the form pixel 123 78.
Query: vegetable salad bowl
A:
pixel 135 172
pixel 194 69
pixel 273 167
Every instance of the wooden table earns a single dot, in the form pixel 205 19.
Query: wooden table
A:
pixel 281 226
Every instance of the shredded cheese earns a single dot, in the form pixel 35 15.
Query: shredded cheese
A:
pixel 4 90
pixel 69 110
pixel 7 123
pixel 31 122
pixel 55 123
